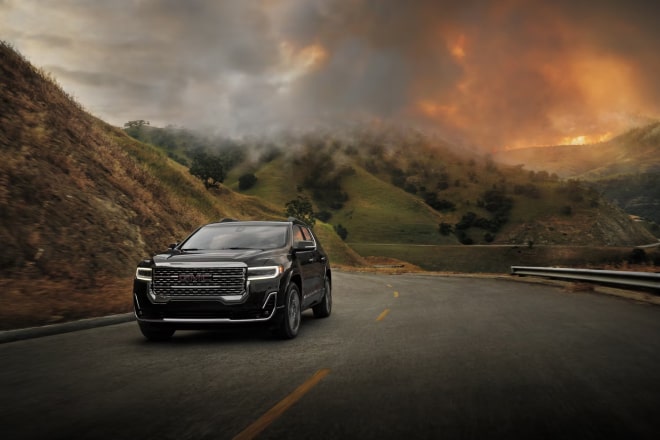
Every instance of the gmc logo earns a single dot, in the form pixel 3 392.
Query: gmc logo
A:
pixel 195 277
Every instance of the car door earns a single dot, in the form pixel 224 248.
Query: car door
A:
pixel 308 260
pixel 315 267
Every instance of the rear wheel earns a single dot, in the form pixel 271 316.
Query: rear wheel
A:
pixel 288 328
pixel 324 308
pixel 156 332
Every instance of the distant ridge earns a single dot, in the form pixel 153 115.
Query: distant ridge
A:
pixel 633 152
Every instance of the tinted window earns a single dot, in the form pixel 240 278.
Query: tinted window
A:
pixel 229 236
pixel 298 233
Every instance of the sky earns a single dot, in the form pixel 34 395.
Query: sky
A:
pixel 498 74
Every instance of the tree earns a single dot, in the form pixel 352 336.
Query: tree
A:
pixel 246 181
pixel 301 208
pixel 341 231
pixel 208 168
pixel 136 124
pixel 445 228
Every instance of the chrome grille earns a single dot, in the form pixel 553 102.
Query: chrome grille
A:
pixel 198 282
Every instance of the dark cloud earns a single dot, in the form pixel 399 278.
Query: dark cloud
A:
pixel 500 72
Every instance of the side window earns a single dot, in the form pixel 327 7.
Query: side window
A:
pixel 308 235
pixel 298 233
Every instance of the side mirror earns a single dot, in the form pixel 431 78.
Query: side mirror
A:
pixel 304 245
pixel 172 246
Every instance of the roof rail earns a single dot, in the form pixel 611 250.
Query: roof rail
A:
pixel 227 220
pixel 297 221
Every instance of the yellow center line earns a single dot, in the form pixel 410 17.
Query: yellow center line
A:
pixel 383 315
pixel 396 294
pixel 275 412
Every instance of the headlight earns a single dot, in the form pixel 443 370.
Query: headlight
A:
pixel 264 272
pixel 143 273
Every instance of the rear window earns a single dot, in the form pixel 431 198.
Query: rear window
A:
pixel 228 236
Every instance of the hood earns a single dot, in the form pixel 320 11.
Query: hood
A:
pixel 251 257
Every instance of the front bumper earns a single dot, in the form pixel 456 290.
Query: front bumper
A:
pixel 258 304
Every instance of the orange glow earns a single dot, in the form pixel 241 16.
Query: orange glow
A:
pixel 298 62
pixel 606 82
pixel 457 48
pixel 431 109
pixel 303 59
pixel 584 139
pixel 312 56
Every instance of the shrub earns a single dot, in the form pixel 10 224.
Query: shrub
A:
pixel 324 216
pixel 463 237
pixel 341 231
pixel 445 228
pixel 637 256
pixel 246 181
pixel 431 199
pixel 466 221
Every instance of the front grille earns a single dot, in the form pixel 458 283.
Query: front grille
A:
pixel 198 282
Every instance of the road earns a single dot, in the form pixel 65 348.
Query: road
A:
pixel 407 356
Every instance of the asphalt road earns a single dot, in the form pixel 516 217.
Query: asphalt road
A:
pixel 408 356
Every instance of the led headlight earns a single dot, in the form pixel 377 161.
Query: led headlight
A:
pixel 143 273
pixel 264 272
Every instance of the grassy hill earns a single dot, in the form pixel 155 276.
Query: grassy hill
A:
pixel 390 186
pixel 626 169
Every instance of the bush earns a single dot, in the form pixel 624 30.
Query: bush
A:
pixel 246 181
pixel 324 216
pixel 466 221
pixel 637 256
pixel 341 231
pixel 445 228
pixel 431 199
pixel 463 237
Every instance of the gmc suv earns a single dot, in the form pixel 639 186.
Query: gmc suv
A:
pixel 234 272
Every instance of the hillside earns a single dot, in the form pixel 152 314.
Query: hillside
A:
pixel 81 203
pixel 391 186
pixel 633 152
pixel 626 169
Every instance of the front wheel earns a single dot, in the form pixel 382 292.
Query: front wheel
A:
pixel 288 328
pixel 324 308
pixel 156 332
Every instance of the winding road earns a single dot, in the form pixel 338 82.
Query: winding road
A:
pixel 402 356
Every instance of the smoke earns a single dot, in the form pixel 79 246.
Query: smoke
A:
pixel 500 73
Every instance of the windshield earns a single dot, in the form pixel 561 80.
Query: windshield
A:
pixel 227 236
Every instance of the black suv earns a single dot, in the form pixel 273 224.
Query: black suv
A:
pixel 234 272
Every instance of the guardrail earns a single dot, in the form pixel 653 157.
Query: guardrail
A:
pixel 646 280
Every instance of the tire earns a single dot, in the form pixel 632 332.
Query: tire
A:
pixel 156 332
pixel 290 324
pixel 324 308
